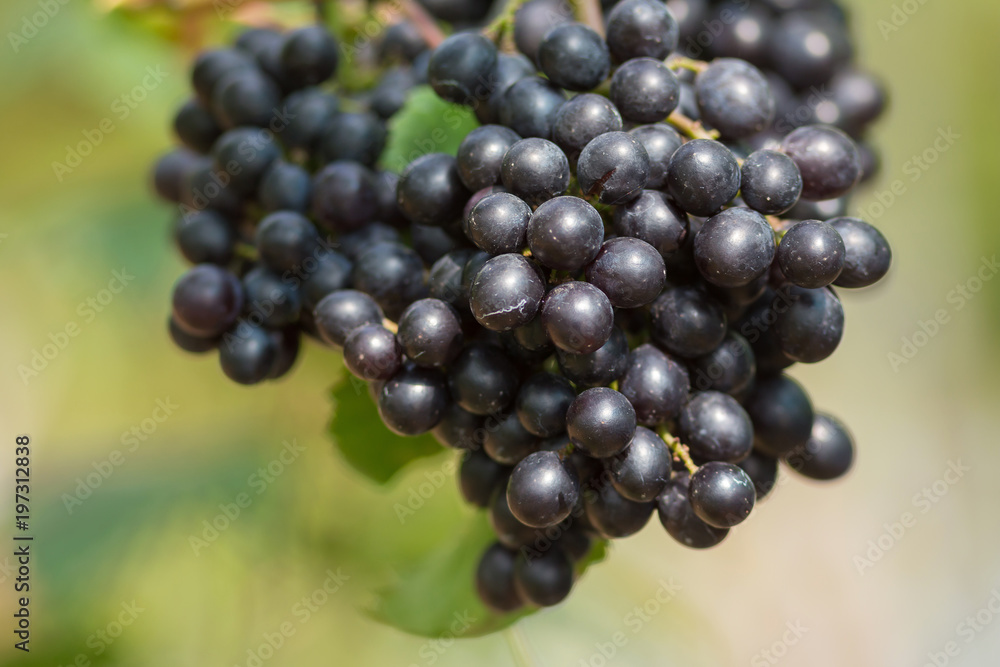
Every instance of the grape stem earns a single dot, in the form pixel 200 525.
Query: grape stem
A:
pixel 247 251
pixel 679 450
pixel 588 12
pixel 423 22
pixel 499 26
pixel 692 128
pixel 680 62
pixel 390 325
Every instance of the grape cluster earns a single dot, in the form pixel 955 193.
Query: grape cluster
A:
pixel 595 299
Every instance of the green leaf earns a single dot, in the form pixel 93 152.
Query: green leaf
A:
pixel 364 441
pixel 437 596
pixel 426 124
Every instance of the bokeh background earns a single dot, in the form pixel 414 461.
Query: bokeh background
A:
pixel 124 552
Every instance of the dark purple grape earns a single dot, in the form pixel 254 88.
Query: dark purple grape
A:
pixel 643 469
pixel 414 400
pixel 480 155
pixel 687 321
pixel 171 173
pixel 460 429
pixel 495 579
pixel 728 368
pixel 430 190
pixel 287 342
pixel 721 494
pixel 653 218
pixel 247 354
pixel 245 97
pixel 461 69
pixel 546 579
pixel 601 422
pixel 244 154
pixel 195 126
pixel 205 237
pixel 680 521
pixel 734 98
pixel 827 158
pixel 542 403
pixel 807 48
pixel 867 255
pixel 762 471
pixel 372 352
pixel 661 142
pixel 393 275
pixel 483 380
pixel 529 107
pixel 206 300
pixel 629 271
pixel 734 247
pixel 308 56
pixel 445 278
pixel 189 343
pixel 506 293
pixel 583 119
pixel 703 176
pixel 285 187
pixel 828 454
pixel 430 333
pixel 392 91
pixel 574 57
pixel 344 196
pixel 542 490
pixel 353 137
pixel 498 223
pixel 811 254
pixel 811 327
pixel 781 413
pixel 479 476
pixel 715 428
pixel 655 384
pixel 614 167
pixel 565 233
pixel 270 300
pixel 307 113
pixel 510 532
pixel 509 442
pixel 339 313
pixel 401 42
pixel 577 317
pixel 770 182
pixel 638 28
pixel 328 272
pixel 614 516
pixel 645 90
pixel 534 19
pixel 211 66
pixel 535 170
pixel 354 244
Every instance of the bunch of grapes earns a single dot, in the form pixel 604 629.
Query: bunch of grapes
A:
pixel 595 299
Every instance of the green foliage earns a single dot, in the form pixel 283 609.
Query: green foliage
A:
pixel 365 443
pixel 426 124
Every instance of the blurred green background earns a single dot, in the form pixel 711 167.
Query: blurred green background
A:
pixel 124 553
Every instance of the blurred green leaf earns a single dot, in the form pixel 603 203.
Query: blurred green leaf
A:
pixel 426 124
pixel 364 441
pixel 437 597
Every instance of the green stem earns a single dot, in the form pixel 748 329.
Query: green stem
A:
pixel 503 22
pixel 680 62
pixel 678 450
pixel 692 128
pixel 517 645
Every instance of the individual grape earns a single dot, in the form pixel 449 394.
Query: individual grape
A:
pixel 811 254
pixel 542 403
pixel 729 368
pixel 565 233
pixel 276 303
pixel 206 300
pixel 195 126
pixel 529 107
pixel 721 494
pixel 661 142
pixel 687 321
pixel 655 384
pixel 307 113
pixel 745 32
pixel 433 243
pixel 498 223
pixel 734 247
pixel 372 352
pixel 495 579
pixel 645 90
pixel 445 279
pixel 828 454
pixel 533 21
pixel 413 400
pixel 285 186
pixel 859 99
pixel 807 48
pixel 542 490
pixel 867 255
pixel 344 196
pixel 473 265
pixel 393 275
pixel 715 428
pixel 461 68
pixel 245 97
pixel 189 343
pixel 770 182
pixel 430 333
pixel 546 579
pixel 581 120
pixel 401 42
pixel 430 190
pixel 509 531
pixel 613 167
pixel 574 57
pixel 640 472
pixel 354 244
pixel 757 325
pixel 285 240
pixel 509 442
pixel 392 91
pixel 171 173
pixel 460 429
pixel 535 170
pixel 601 422
pixel 629 271
pixel 247 354
pixel 244 154
pixel 479 477
pixel 330 272
pixel 781 413
pixel 680 520
pixel 690 16
pixel 211 66
pixel 653 218
pixel 533 338
pixel 506 293
pixel 205 237
pixel 614 516
pixel 339 313
pixel 703 176
pixel 734 98
pixel 264 44
pixel 308 56
pixel 603 366
pixel 287 342
pixel 641 28
pixel 480 155
pixel 577 317
pixel 810 328
pixel 203 187
pixel 762 471
pixel 483 380
pixel 353 137
pixel 827 159
pixel 458 11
